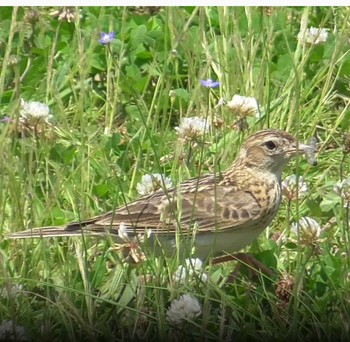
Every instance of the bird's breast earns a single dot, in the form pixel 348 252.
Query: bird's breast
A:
pixel 268 195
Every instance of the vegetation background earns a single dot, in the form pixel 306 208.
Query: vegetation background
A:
pixel 114 109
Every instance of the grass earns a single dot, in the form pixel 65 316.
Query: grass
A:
pixel 114 111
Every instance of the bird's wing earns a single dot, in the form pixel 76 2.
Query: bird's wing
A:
pixel 204 203
pixel 210 206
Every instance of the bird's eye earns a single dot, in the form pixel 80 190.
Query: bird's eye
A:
pixel 270 145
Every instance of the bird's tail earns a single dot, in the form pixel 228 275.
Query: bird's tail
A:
pixel 44 232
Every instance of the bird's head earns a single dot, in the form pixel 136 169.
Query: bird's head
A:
pixel 270 150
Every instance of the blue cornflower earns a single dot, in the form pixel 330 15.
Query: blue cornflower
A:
pixel 106 38
pixel 209 83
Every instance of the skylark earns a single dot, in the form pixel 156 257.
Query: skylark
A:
pixel 209 215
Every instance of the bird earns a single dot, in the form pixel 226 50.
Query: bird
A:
pixel 209 215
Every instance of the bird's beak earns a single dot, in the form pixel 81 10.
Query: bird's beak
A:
pixel 299 149
pixel 304 148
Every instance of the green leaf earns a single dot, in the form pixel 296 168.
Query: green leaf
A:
pixel 216 275
pixel 112 143
pixel 182 93
pixel 115 139
pixel 291 245
pixel 329 202
pixel 144 55
pixel 345 68
pixel 101 189
pixel 98 63
pixel 268 258
pixel 317 53
pixel 137 36
pixel 57 215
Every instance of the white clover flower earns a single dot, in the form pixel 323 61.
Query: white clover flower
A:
pixel 9 331
pixel 153 182
pixel 293 190
pixel 309 230
pixel 193 267
pixel 65 13
pixel 244 106
pixel 8 291
pixel 313 35
pixel 35 112
pixel 130 248
pixel 183 309
pixel 192 128
pixel 180 274
pixel 343 190
pixel 196 263
pixel 122 233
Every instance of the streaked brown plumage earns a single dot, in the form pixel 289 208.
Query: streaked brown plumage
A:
pixel 225 212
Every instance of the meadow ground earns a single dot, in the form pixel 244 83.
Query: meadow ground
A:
pixel 84 116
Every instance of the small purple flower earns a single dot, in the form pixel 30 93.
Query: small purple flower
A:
pixel 209 83
pixel 6 119
pixel 106 38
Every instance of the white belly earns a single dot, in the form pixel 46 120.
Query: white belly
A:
pixel 209 244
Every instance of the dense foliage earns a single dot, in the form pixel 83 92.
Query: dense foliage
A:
pixel 114 103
